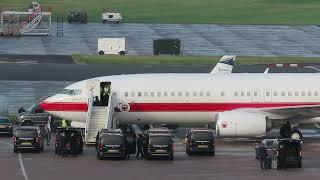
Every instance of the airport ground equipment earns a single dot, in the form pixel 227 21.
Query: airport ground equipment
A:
pixel 77 16
pixel 167 46
pixel 99 114
pixel 34 21
pixel 289 153
pixel 59 26
pixel 115 46
pixel 111 17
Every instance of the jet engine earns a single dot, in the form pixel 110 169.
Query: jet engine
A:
pixel 241 124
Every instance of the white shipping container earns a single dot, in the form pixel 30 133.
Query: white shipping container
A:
pixel 112 46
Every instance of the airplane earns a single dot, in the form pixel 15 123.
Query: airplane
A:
pixel 240 105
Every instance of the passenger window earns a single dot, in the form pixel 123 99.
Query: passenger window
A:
pixel 194 93
pixel 303 93
pixel 222 93
pixel 201 93
pixel 139 94
pixel 235 93
pixel 158 94
pixel 187 94
pixel 172 93
pixel 126 94
pixel 255 93
pixel 145 94
pixel 267 93
pixel 275 93
pixel 165 94
pixel 242 93
pixel 296 93
pixel 132 94
pixel 179 93
pixel 248 93
pixel 289 93
pixel 309 93
pixel 152 94
pixel 316 93
pixel 283 93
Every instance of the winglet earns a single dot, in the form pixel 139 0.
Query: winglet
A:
pixel 225 65
pixel 266 71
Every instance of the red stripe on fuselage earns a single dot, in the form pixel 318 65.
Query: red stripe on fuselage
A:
pixel 173 107
pixel 64 106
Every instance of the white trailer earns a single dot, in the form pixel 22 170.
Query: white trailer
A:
pixel 112 46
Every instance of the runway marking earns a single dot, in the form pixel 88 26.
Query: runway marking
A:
pixel 19 62
pixel 22 167
pixel 313 67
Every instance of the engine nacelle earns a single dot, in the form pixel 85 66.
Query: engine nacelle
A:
pixel 241 124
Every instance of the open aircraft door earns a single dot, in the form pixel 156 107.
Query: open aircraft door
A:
pixel 93 87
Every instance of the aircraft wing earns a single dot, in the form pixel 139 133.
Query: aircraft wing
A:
pixel 302 111
pixel 225 65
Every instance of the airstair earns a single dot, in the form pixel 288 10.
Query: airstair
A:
pixel 99 117
pixel 33 20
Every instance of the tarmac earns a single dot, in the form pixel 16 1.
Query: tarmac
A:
pixel 233 160
pixel 196 39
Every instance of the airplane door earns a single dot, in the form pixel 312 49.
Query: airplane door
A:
pixel 255 95
pixel 105 93
pixel 267 94
pixel 93 87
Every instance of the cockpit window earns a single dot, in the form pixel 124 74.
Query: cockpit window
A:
pixel 71 92
pixel 77 92
pixel 64 91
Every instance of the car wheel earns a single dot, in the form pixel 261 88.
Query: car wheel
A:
pixel 171 157
pixel 15 150
pixel 56 150
pixel 101 53
pixel 213 153
pixel 299 164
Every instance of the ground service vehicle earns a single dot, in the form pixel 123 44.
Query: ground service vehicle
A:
pixel 159 145
pixel 200 140
pixel 166 46
pixel 289 153
pixel 73 140
pixel 77 16
pixel 116 46
pixel 6 126
pixel 111 17
pixel 28 138
pixel 112 145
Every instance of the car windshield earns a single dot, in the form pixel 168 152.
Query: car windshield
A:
pixel 4 120
pixel 269 143
pixel 112 139
pixel 26 133
pixel 160 140
pixel 202 135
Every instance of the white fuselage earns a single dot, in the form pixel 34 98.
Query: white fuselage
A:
pixel 190 98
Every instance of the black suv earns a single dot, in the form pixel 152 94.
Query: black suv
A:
pixel 289 153
pixel 112 145
pixel 159 145
pixel 28 137
pixel 71 134
pixel 200 140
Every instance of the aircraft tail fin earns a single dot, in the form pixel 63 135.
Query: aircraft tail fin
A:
pixel 225 65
